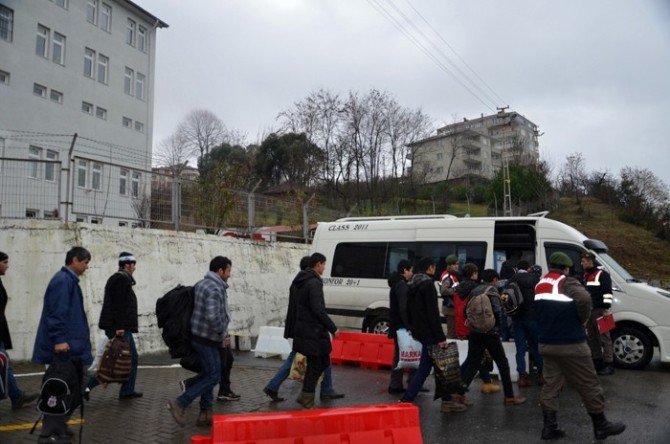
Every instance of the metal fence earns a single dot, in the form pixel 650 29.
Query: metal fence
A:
pixel 86 189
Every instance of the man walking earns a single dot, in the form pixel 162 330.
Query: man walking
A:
pixel 563 307
pixel 209 330
pixel 398 308
pixel 599 284
pixel 272 388
pixel 118 317
pixel 310 325
pixel 63 332
pixel 448 283
pixel 17 396
pixel 525 322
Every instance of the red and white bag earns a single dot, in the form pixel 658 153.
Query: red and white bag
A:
pixel 409 350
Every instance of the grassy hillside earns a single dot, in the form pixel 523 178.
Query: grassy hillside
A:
pixel 644 256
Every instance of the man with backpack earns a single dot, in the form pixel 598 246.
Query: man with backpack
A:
pixel 524 320
pixel 209 330
pixel 483 319
pixel 118 317
pixel 63 335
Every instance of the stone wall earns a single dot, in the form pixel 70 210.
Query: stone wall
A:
pixel 258 293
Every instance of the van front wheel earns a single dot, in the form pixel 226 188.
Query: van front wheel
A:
pixel 632 348
pixel 379 325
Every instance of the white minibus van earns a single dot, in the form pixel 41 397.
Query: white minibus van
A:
pixel 362 253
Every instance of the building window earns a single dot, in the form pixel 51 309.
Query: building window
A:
pixel 34 154
pixel 53 214
pixel 92 11
pixel 106 17
pixel 123 182
pixel 139 86
pixel 142 38
pixel 4 77
pixel 100 113
pixel 103 64
pixel 127 122
pixel 130 32
pixel 82 166
pixel 50 168
pixel 6 23
pixel 40 90
pixel 89 62
pixel 61 3
pixel 87 108
pixel 96 176
pixel 32 213
pixel 42 45
pixel 81 219
pixel 96 220
pixel 139 126
pixel 123 223
pixel 128 81
pixel 56 96
pixel 58 49
pixel 135 185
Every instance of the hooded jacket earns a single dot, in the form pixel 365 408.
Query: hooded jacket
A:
pixel 526 282
pixel 397 303
pixel 422 310
pixel 310 324
pixel 119 308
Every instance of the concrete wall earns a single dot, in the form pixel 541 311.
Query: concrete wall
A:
pixel 258 293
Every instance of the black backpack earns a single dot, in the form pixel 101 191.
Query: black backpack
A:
pixel 173 315
pixel 511 298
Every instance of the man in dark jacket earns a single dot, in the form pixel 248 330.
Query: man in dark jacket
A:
pixel 63 331
pixel 398 307
pixel 14 393
pixel 118 317
pixel 525 322
pixel 478 341
pixel 563 307
pixel 311 326
pixel 423 316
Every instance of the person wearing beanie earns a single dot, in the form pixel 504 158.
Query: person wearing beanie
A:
pixel 14 393
pixel 118 317
pixel 563 307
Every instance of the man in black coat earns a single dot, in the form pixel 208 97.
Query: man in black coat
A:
pixel 119 317
pixel 311 325
pixel 398 308
pixel 19 398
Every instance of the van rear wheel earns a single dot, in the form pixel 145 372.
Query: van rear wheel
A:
pixel 632 348
pixel 379 325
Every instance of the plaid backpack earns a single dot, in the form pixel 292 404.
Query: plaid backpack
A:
pixel 116 362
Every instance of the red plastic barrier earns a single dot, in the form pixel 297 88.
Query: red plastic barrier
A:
pixel 200 439
pixel 367 349
pixel 378 424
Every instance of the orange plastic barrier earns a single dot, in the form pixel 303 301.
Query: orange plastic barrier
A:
pixel 379 424
pixel 200 439
pixel 367 349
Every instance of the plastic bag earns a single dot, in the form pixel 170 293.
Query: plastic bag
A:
pixel 409 350
pixel 299 367
pixel 447 370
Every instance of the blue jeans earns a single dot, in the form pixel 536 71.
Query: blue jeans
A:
pixel 285 369
pixel 204 383
pixel 128 387
pixel 13 391
pixel 425 364
pixel 526 330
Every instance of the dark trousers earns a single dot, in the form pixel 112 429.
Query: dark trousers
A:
pixel 397 374
pixel 57 424
pixel 477 343
pixel 226 365
pixel 315 366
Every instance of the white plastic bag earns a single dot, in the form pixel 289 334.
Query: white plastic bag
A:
pixel 409 350
pixel 100 349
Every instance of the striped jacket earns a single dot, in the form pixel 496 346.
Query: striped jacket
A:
pixel 599 284
pixel 210 316
pixel 562 306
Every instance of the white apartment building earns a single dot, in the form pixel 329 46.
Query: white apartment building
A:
pixel 84 67
pixel 475 147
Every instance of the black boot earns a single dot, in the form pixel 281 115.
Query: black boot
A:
pixel 606 370
pixel 598 364
pixel 550 429
pixel 603 428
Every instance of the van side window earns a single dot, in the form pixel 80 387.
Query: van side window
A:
pixel 474 252
pixel 363 260
pixel 573 251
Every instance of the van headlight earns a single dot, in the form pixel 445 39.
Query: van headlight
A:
pixel 664 293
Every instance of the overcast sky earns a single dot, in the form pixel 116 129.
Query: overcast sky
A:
pixel 593 75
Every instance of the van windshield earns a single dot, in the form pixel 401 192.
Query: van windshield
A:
pixel 614 265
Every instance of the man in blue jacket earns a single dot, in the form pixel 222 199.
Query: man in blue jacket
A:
pixel 63 332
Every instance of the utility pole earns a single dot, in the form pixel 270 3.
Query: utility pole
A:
pixel 507 193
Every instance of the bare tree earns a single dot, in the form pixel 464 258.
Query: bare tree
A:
pixel 573 177
pixel 174 152
pixel 203 130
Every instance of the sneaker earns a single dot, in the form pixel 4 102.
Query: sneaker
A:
pixel 452 407
pixel 228 396
pixel 332 395
pixel 514 400
pixel 87 394
pixel 524 381
pixel 54 439
pixel 274 395
pixel 490 387
pixel 177 412
pixel 23 401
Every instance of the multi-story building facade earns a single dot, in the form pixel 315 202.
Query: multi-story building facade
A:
pixel 84 67
pixel 475 147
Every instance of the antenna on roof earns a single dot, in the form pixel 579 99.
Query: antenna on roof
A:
pixel 501 109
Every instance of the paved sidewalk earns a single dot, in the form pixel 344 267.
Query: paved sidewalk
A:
pixel 641 399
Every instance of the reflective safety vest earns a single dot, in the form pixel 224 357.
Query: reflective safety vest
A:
pixel 558 319
pixel 601 295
